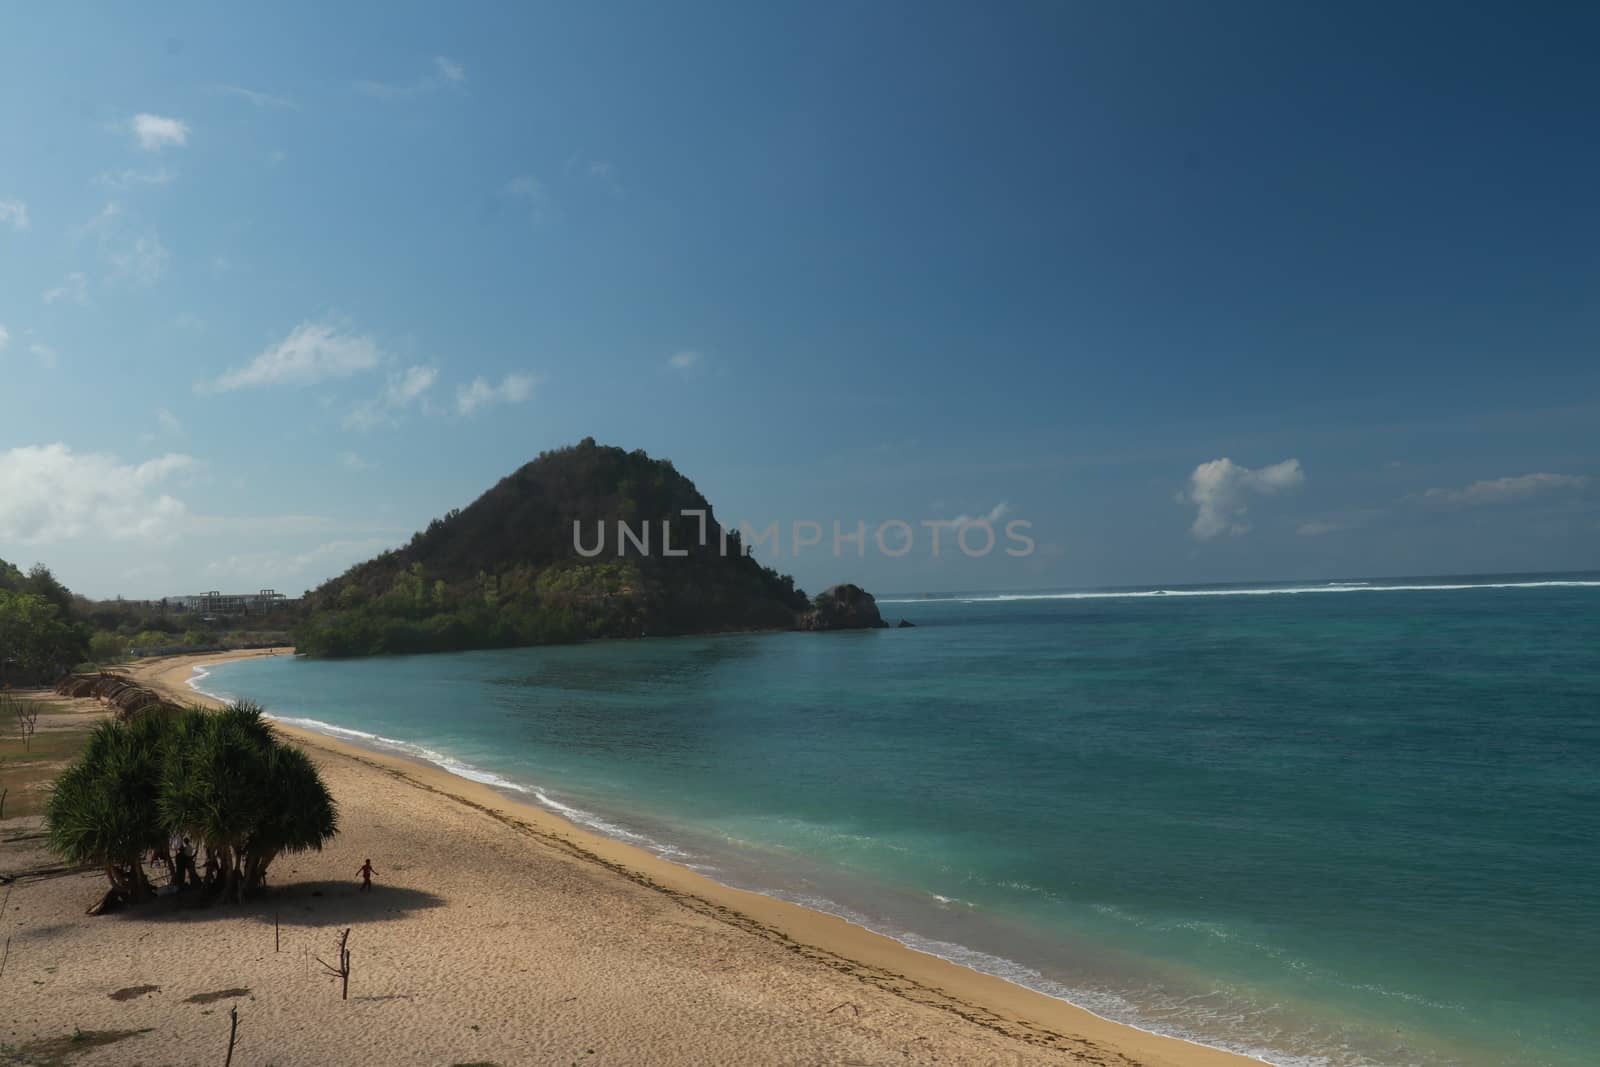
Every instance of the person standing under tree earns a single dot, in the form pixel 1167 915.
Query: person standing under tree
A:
pixel 366 872
pixel 185 872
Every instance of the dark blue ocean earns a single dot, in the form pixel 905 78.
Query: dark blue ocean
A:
pixel 1322 823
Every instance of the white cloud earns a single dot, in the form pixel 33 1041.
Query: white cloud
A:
pixel 1318 527
pixel 50 494
pixel 602 171
pixel 256 97
pixel 354 461
pixel 408 385
pixel 166 424
pixel 313 352
pixel 293 570
pixel 5 338
pixel 74 289
pixel 1218 490
pixel 44 354
pixel 684 362
pixel 14 212
pixel 531 193
pixel 129 255
pixel 446 73
pixel 257 525
pixel 103 220
pixel 514 389
pixel 450 70
pixel 1498 490
pixel 400 392
pixel 994 515
pixel 156 132
pixel 141 259
pixel 125 179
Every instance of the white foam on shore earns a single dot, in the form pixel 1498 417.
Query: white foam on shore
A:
pixel 460 769
pixel 1104 1004
pixel 1330 587
pixel 451 765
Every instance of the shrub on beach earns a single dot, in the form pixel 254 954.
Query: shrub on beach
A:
pixel 221 779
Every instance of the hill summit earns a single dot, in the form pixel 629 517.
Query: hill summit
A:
pixel 646 557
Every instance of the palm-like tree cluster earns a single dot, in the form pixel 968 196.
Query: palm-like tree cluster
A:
pixel 220 779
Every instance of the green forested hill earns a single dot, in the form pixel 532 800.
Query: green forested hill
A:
pixel 504 571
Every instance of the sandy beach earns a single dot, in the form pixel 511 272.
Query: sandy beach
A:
pixel 500 934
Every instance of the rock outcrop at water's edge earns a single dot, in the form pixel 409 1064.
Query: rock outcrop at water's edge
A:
pixel 843 607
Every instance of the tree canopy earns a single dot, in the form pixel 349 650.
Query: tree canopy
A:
pixel 222 780
pixel 40 637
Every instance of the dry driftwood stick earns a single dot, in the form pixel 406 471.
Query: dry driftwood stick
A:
pixel 342 971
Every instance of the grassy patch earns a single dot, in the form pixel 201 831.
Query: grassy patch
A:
pixel 27 775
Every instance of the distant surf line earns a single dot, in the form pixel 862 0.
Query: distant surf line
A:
pixel 1329 587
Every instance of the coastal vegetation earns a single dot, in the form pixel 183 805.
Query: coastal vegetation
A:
pixel 221 780
pixel 40 635
pixel 47 630
pixel 506 571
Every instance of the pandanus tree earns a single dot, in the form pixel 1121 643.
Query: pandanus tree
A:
pixel 103 810
pixel 231 785
pixel 215 791
pixel 301 817
pixel 221 779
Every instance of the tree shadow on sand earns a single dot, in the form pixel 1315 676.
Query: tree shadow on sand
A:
pixel 296 905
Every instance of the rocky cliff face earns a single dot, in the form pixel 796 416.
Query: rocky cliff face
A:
pixel 844 607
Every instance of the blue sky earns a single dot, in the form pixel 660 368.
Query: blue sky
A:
pixel 1224 294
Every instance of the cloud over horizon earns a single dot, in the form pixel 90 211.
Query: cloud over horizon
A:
pixel 1499 490
pixel 1218 490
pixel 49 494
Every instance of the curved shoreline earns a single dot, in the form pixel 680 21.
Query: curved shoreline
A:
pixel 851 950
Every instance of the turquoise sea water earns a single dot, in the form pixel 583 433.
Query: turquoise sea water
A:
pixel 1349 824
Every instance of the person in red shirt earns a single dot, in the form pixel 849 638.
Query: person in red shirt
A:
pixel 366 872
